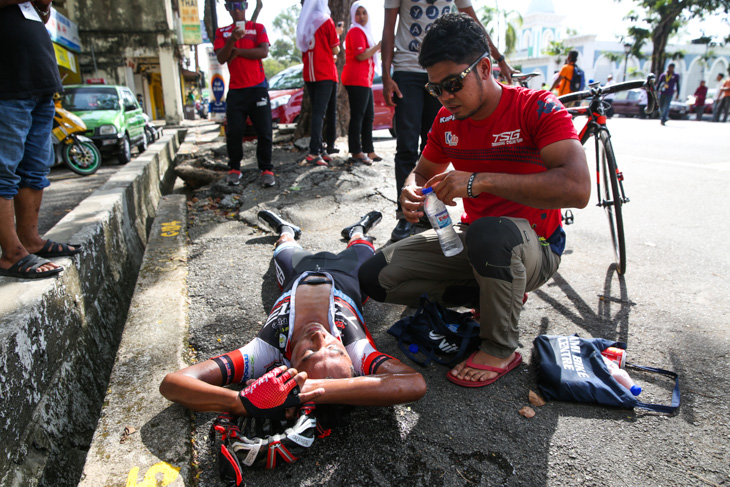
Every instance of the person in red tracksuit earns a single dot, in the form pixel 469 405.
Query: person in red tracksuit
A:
pixel 243 48
pixel 357 76
pixel 319 42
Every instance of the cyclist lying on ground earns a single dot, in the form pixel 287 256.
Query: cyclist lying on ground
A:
pixel 316 327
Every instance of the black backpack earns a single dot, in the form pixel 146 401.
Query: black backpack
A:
pixel 578 81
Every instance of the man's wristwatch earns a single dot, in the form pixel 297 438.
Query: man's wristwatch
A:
pixel 500 59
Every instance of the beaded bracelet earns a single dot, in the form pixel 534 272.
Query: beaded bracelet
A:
pixel 470 184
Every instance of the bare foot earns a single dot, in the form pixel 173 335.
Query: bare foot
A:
pixel 375 157
pixel 463 372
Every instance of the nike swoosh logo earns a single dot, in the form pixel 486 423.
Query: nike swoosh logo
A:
pixel 435 336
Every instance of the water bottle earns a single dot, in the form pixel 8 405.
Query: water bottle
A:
pixel 440 220
pixel 621 376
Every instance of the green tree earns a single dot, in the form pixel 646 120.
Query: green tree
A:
pixel 284 49
pixel 559 50
pixel 491 17
pixel 665 16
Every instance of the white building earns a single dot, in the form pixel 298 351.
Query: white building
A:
pixel 541 24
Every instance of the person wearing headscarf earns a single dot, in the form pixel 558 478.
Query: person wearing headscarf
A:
pixel 357 76
pixel 319 42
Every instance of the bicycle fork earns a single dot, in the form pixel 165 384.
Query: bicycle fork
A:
pixel 619 175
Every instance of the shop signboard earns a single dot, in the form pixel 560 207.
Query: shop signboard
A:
pixel 63 31
pixel 190 20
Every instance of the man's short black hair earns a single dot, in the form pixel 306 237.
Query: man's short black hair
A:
pixel 454 37
pixel 572 56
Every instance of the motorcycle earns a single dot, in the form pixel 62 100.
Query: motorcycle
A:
pixel 77 151
pixel 152 131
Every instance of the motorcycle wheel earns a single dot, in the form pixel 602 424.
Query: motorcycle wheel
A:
pixel 82 157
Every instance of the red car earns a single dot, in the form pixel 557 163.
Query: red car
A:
pixel 286 90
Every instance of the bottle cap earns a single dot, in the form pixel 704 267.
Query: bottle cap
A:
pixel 635 390
pixel 427 190
pixel 413 348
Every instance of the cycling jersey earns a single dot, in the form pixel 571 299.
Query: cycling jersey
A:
pixel 272 347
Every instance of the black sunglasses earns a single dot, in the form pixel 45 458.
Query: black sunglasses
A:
pixel 236 6
pixel 454 83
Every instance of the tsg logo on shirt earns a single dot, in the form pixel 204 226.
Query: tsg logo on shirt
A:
pixel 451 139
pixel 507 138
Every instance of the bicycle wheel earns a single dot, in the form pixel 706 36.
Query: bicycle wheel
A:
pixel 611 200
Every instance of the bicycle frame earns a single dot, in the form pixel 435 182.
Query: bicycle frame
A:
pixel 596 124
pixel 613 196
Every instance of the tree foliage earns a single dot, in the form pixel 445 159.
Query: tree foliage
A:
pixel 557 49
pixel 284 49
pixel 666 16
pixel 491 18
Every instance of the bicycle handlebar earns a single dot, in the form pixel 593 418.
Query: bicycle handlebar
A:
pixel 626 85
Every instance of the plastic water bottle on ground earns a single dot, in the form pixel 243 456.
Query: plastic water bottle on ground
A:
pixel 621 376
pixel 440 220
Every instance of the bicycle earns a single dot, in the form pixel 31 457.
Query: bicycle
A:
pixel 522 78
pixel 611 196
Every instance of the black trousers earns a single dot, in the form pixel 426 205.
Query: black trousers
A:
pixel 362 113
pixel 323 95
pixel 414 115
pixel 250 103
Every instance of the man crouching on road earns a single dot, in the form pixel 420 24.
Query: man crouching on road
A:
pixel 517 162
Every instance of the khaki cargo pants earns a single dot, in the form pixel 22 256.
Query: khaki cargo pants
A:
pixel 503 258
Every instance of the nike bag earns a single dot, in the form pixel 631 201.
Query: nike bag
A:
pixel 437 334
pixel 571 368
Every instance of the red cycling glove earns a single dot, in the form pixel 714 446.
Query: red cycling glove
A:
pixel 270 395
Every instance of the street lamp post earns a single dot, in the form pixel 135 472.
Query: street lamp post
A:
pixel 627 50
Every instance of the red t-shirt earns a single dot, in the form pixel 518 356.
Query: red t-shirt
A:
pixel 319 63
pixel 245 73
pixel 357 73
pixel 508 141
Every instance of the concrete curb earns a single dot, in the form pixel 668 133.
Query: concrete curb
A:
pixel 139 434
pixel 58 336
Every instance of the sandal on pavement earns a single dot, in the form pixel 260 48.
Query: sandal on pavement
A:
pixel 364 159
pixel 375 157
pixel 50 250
pixel 312 159
pixel 481 383
pixel 26 267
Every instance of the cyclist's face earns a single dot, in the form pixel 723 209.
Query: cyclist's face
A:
pixel 470 99
pixel 320 354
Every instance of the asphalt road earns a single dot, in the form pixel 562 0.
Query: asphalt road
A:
pixel 68 189
pixel 671 307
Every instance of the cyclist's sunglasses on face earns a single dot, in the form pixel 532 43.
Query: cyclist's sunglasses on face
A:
pixel 454 83
pixel 236 6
